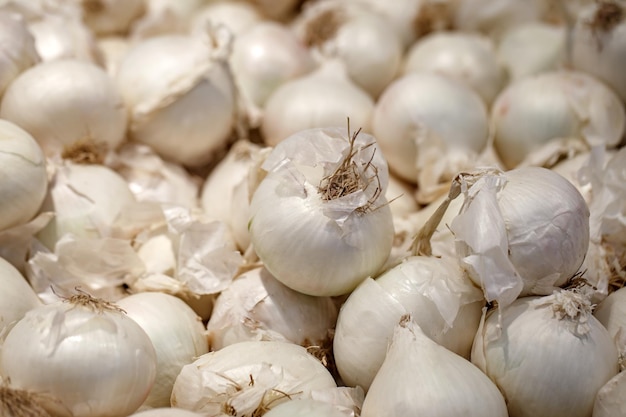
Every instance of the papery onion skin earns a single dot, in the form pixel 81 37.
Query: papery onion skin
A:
pixel 24 177
pixel 16 298
pixel 543 364
pixel 98 364
pixel 65 102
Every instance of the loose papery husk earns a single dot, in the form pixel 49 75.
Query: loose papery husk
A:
pixel 16 402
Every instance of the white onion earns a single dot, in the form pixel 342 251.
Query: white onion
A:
pixel 468 57
pixel 113 49
pixel 177 335
pixel 335 235
pixel 166 412
pixel 362 39
pixel 64 36
pixel 532 48
pixel 256 306
pixel 165 17
pixel 264 57
pixel 435 291
pixel 247 376
pixel 25 180
pixel 548 355
pixel 521 232
pixel 325 97
pixel 66 104
pixel 598 43
pixel 17 48
pixel 178 88
pixel 429 128
pixel 567 110
pixel 84 352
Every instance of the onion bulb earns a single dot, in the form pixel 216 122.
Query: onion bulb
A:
pixel 429 128
pixel 25 180
pixel 548 355
pixel 323 203
pixel 17 48
pixel 177 335
pixel 322 98
pixel 420 377
pixel 84 352
pixel 362 39
pixel 179 94
pixel 66 105
pixel 521 232
pixel 468 57
pixel 110 17
pixel 537 119
pixel 599 45
pixel 237 16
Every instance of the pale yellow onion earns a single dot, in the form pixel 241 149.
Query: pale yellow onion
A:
pixel 325 97
pixel 364 40
pixel 430 127
pixel 225 194
pixel 465 56
pixel 237 16
pixel 548 355
pixel 256 306
pixel 521 232
pixel 179 88
pixel 64 104
pixel 64 36
pixel 107 17
pixel 567 109
pixel 532 48
pixel 86 199
pixel 176 332
pixel 25 180
pixel 598 46
pixel 265 56
pixel 334 241
pixel 248 376
pixel 16 298
pixel 66 347
pixel 435 291
pixel 420 377
pixel 17 48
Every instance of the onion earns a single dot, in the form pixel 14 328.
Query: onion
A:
pixel 17 48
pixel 177 88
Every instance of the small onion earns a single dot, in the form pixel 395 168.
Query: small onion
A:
pixel 178 88
pixel 429 128
pixel 598 43
pixel 468 57
pixel 66 104
pixel 548 355
pixel 177 335
pixel 84 352
pixel 567 108
pixel 17 48
pixel 521 232
pixel 25 180
pixel 322 98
